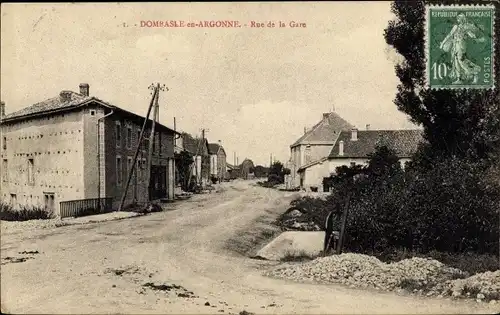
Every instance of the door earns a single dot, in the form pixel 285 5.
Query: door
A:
pixel 49 201
pixel 158 181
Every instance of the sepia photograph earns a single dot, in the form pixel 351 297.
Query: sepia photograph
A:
pixel 316 157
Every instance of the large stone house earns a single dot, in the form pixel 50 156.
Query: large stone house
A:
pixel 75 151
pixel 314 145
pixel 218 166
pixel 354 147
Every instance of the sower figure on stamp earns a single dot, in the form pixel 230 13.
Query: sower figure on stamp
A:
pixel 456 43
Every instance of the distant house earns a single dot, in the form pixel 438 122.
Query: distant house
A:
pixel 233 171
pixel 198 147
pixel 314 145
pixel 354 147
pixel 217 161
pixel 74 151
pixel 247 169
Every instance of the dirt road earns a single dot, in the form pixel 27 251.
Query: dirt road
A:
pixel 103 267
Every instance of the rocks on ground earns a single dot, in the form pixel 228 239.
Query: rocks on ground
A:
pixel 295 220
pixel 416 275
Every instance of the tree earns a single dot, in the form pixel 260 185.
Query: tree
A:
pixel 277 173
pixel 260 171
pixel 383 162
pixel 183 163
pixel 462 123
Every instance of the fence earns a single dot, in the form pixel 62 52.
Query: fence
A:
pixel 83 207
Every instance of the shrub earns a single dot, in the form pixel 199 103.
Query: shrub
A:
pixel 213 179
pixel 450 206
pixel 8 213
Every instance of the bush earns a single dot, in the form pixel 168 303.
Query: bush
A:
pixel 450 206
pixel 7 213
pixel 214 179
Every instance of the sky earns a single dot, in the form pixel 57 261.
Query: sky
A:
pixel 254 89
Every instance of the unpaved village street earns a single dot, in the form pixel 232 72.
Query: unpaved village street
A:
pixel 197 246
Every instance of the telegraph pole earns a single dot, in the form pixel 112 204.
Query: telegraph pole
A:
pixel 152 139
pixel 141 136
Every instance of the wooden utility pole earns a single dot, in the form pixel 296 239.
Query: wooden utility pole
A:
pixel 124 195
pixel 152 139
pixel 344 224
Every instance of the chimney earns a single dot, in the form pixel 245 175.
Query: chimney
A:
pixel 354 134
pixel 219 141
pixel 341 148
pixel 65 96
pixel 2 109
pixel 326 115
pixel 84 89
pixel 367 126
pixel 305 130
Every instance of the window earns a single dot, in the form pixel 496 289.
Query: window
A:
pixel 5 172
pixel 138 136
pixel 31 174
pixel 353 164
pixel 129 137
pixel 13 199
pixel 129 165
pixel 48 201
pixel 4 143
pixel 308 154
pixel 92 113
pixel 118 134
pixel 155 141
pixel 145 143
pixel 159 143
pixel 119 170
pixel 143 167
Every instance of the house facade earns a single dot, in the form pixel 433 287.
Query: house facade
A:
pixel 218 165
pixel 75 147
pixel 314 145
pixel 354 147
pixel 198 148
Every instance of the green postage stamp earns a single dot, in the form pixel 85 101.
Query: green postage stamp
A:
pixel 460 46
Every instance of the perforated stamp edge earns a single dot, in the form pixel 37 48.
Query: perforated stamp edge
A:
pixel 428 8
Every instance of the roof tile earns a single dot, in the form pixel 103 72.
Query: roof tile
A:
pixel 404 142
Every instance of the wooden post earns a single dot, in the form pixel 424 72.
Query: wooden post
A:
pixel 151 144
pixel 344 223
pixel 124 195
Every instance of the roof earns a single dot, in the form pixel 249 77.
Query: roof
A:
pixel 404 142
pixel 325 131
pixel 232 167
pixel 312 164
pixel 213 148
pixel 192 144
pixel 57 104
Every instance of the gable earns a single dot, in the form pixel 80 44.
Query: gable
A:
pixel 326 131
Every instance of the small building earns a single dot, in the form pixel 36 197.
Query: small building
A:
pixel 218 166
pixel 314 145
pixel 233 171
pixel 198 148
pixel 354 147
pixel 74 152
pixel 246 169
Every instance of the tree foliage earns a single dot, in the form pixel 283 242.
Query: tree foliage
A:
pixel 183 161
pixel 462 123
pixel 277 173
